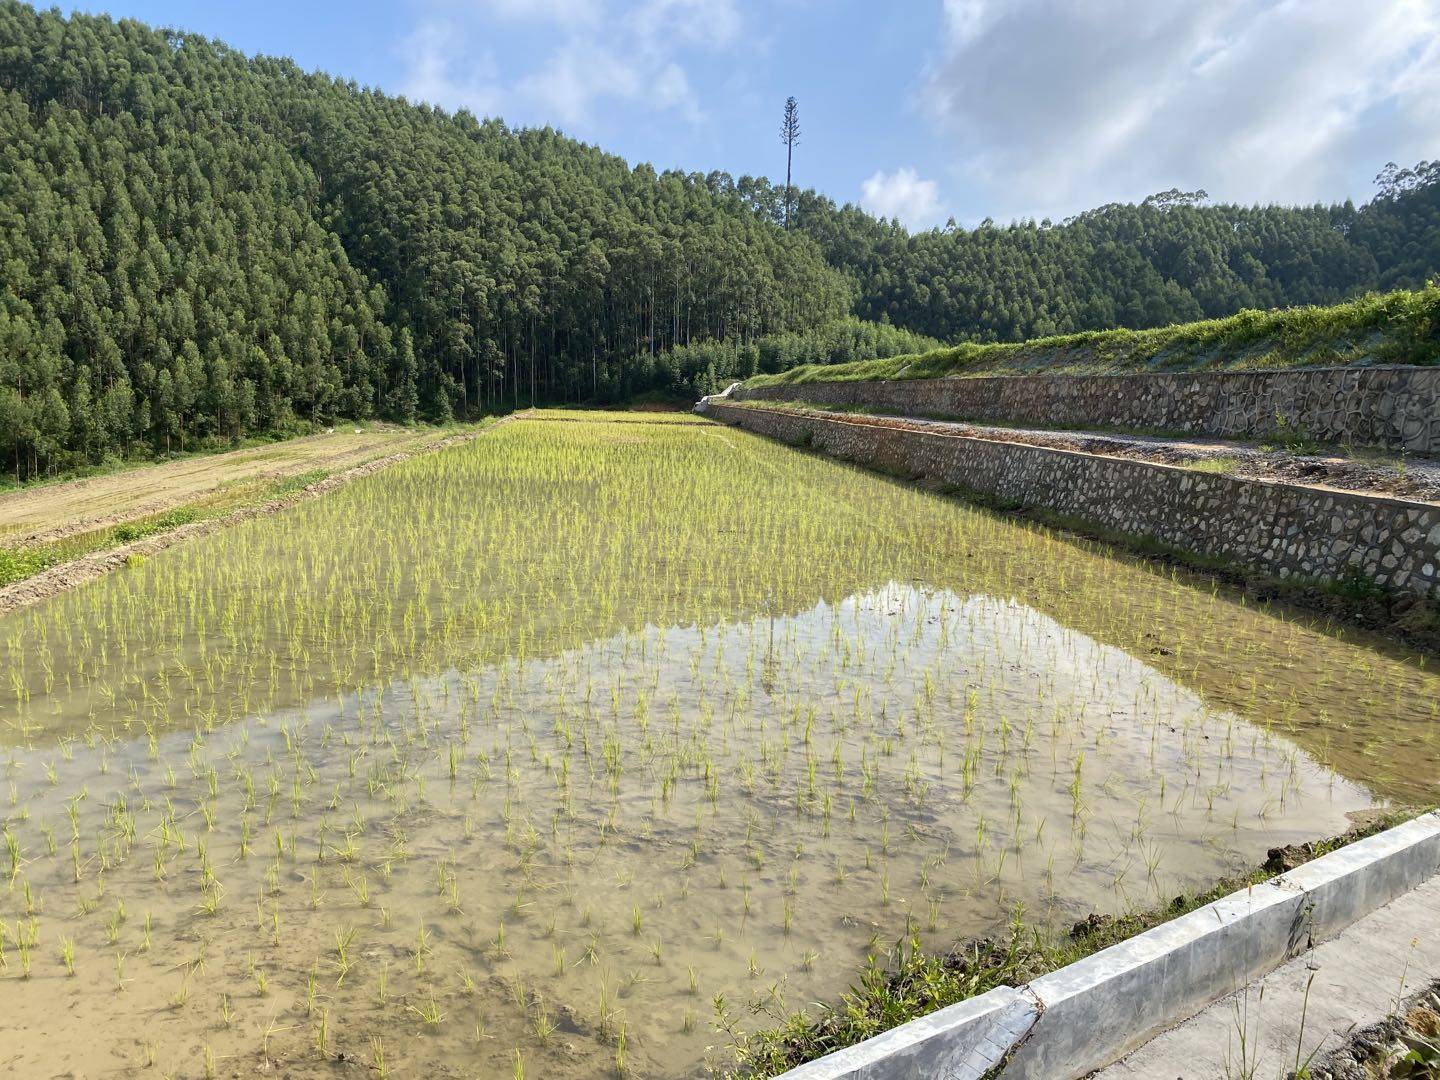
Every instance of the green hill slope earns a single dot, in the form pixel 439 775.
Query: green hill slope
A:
pixel 1402 327
pixel 197 245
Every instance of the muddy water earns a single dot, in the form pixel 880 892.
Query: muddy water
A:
pixel 518 756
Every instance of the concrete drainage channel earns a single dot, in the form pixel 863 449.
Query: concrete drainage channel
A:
pixel 1073 1021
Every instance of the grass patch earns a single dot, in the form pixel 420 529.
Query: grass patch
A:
pixel 16 564
pixel 1220 466
pixel 23 561
pixel 912 982
pixel 298 482
pixel 1391 328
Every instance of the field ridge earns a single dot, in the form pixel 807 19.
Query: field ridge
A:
pixel 74 572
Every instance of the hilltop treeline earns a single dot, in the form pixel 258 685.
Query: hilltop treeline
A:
pixel 1171 259
pixel 197 245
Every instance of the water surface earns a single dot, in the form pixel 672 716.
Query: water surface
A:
pixel 526 751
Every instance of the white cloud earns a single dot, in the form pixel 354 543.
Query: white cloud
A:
pixel 616 51
pixel 561 11
pixel 902 194
pixel 579 74
pixel 967 19
pixel 440 71
pixel 573 76
pixel 708 22
pixel 1062 104
pixel 672 90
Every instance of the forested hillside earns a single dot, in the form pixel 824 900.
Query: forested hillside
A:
pixel 197 245
pixel 1171 259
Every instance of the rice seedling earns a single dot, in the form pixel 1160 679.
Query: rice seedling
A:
pixel 428 1012
pixel 322 1035
pixel 681 704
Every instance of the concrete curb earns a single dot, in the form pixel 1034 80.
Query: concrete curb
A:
pixel 1073 1021
pixel 962 1041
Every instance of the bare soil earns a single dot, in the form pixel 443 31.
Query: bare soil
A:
pixel 52 512
pixel 1405 1044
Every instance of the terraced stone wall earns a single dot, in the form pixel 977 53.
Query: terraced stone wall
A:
pixel 1397 408
pixel 1283 530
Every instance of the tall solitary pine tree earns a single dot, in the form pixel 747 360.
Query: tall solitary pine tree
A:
pixel 790 136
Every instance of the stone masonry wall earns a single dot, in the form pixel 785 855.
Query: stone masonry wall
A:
pixel 1279 529
pixel 1393 407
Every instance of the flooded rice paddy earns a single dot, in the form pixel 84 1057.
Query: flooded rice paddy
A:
pixel 512 759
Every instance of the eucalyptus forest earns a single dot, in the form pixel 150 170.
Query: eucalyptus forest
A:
pixel 199 246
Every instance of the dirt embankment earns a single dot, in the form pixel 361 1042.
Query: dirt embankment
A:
pixel 54 512
pixel 68 575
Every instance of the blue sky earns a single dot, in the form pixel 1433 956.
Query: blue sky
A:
pixel 921 109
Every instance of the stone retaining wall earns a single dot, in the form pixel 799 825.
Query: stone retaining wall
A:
pixel 1282 530
pixel 1393 407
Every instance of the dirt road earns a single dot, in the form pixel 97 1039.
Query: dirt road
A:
pixel 114 499
pixel 55 511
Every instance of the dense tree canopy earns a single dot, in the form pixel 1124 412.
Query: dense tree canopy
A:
pixel 1169 259
pixel 196 245
pixel 707 366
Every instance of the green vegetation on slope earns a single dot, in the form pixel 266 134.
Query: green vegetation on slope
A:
pixel 1394 328
pixel 200 246
pixel 1173 258
pixel 709 366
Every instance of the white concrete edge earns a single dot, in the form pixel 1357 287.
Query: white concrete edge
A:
pixel 1079 1018
pixel 961 1040
pixel 701 405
